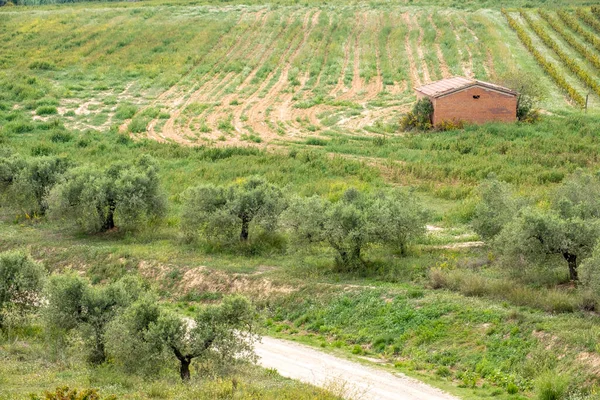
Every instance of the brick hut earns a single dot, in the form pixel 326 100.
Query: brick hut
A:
pixel 469 100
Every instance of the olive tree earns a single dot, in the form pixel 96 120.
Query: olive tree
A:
pixel 590 271
pixel 124 195
pixel 25 183
pixel 356 221
pixel 569 228
pixel 535 235
pixel 10 166
pixel 74 304
pixel 21 280
pixel 127 340
pixel 223 212
pixel 496 207
pixel 145 331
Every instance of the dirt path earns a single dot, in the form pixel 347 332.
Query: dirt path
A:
pixel 356 381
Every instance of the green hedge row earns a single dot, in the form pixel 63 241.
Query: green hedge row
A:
pixel 544 63
pixel 570 63
pixel 572 23
pixel 582 49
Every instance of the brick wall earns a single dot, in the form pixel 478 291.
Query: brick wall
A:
pixel 462 105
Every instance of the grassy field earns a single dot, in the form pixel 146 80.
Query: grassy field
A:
pixel 194 75
pixel 309 96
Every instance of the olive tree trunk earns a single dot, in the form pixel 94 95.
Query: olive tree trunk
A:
pixel 572 262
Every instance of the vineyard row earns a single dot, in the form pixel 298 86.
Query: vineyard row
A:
pixel 582 49
pixel 570 63
pixel 589 19
pixel 574 24
pixel 544 63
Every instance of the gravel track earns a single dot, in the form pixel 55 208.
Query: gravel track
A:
pixel 355 381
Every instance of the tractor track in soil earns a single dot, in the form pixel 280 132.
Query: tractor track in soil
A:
pixel 425 68
pixel 414 71
pixel 467 66
pixel 170 131
pixel 257 111
pixel 239 111
pixel 180 102
pixel 438 49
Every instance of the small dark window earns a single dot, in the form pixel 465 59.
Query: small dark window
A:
pixel 476 96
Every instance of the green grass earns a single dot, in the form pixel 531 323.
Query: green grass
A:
pixel 28 368
pixel 117 67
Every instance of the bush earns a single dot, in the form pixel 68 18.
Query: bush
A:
pixel 61 137
pixel 472 284
pixel 42 65
pixel 313 141
pixel 19 126
pixel 420 118
pixel 125 111
pixel 450 125
pixel 138 124
pixel 64 393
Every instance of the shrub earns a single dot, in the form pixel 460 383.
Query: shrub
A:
pixel 313 141
pixel 42 65
pixel 125 111
pixel 450 125
pixel 138 124
pixel 61 136
pixel 65 393
pixel 19 126
pixel 420 118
